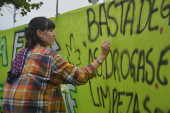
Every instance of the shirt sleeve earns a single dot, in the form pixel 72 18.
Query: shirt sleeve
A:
pixel 64 72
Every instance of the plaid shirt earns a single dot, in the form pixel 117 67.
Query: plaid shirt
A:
pixel 37 89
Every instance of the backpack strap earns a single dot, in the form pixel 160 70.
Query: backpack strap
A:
pixel 17 65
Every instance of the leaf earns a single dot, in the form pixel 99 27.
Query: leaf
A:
pixel 24 5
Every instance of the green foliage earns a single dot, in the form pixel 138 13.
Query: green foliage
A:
pixel 25 5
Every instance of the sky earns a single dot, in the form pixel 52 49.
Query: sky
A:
pixel 48 9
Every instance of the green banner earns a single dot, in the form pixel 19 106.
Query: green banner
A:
pixel 135 76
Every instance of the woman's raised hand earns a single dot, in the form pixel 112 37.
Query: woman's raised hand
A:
pixel 105 47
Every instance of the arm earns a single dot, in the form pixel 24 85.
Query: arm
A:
pixel 105 47
pixel 74 75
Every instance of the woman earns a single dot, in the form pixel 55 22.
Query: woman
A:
pixel 33 83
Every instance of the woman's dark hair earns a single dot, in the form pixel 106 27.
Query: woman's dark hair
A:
pixel 37 23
